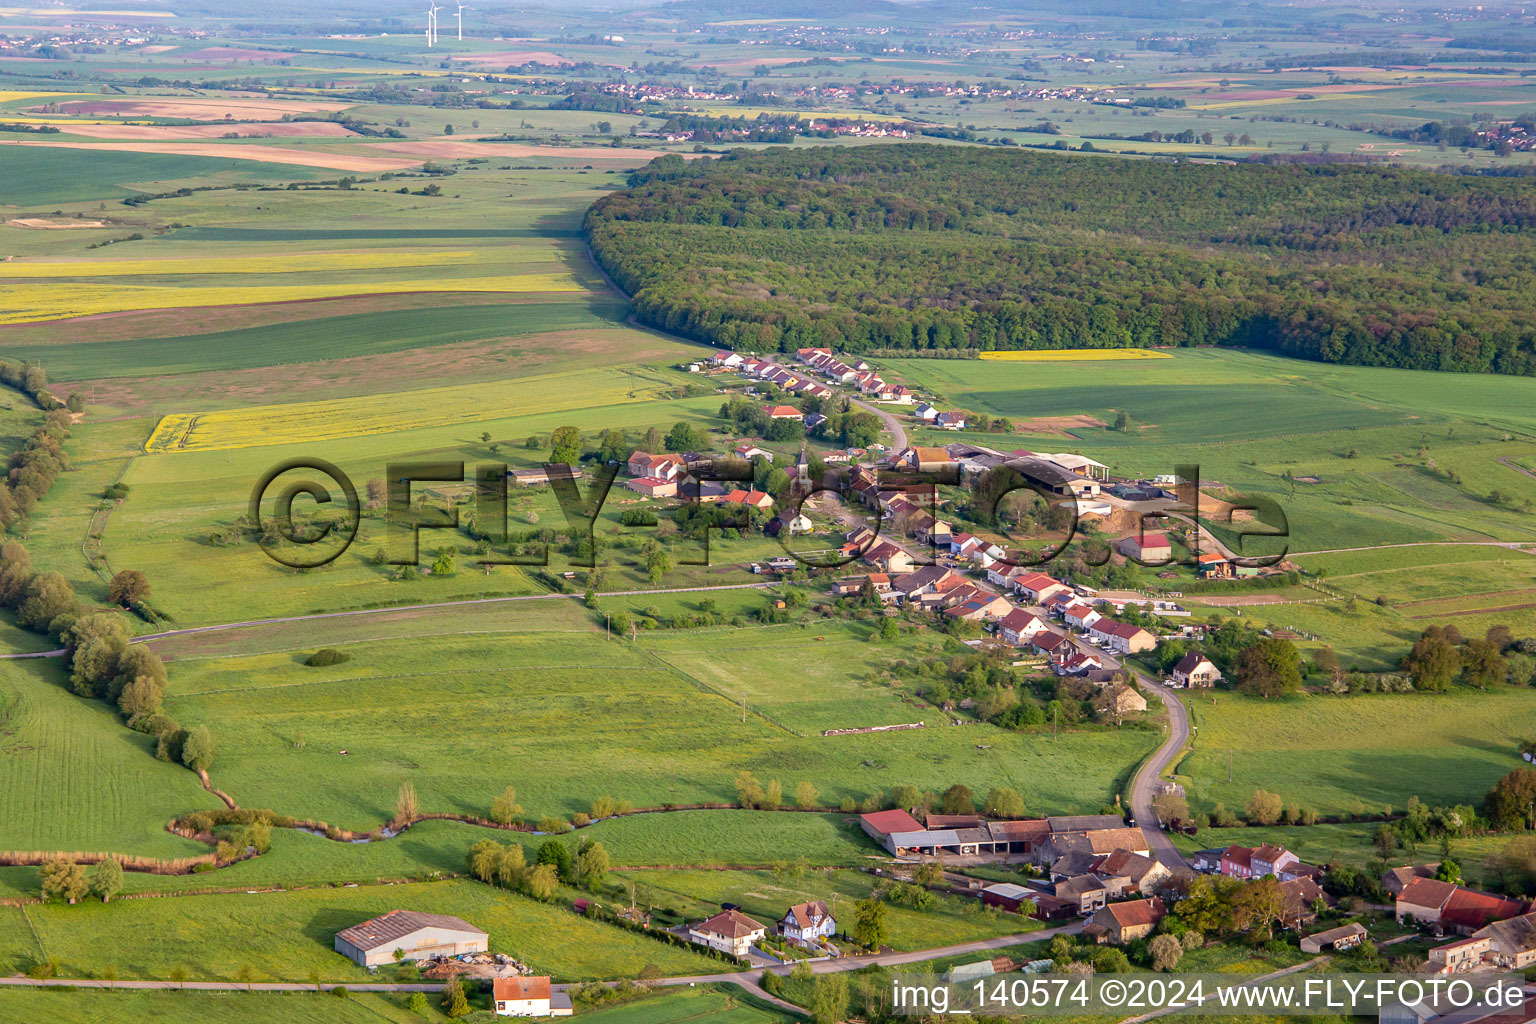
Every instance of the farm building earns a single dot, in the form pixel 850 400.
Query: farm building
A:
pixel 1127 922
pixel 1343 937
pixel 417 935
pixel 1008 896
pixel 653 487
pixel 528 997
pixel 1151 548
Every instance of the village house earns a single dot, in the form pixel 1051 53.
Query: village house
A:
pixel 1048 642
pixel 752 499
pixel 925 412
pixel 644 464
pixel 784 412
pixel 1150 549
pixel 888 558
pixel 1393 879
pixel 1120 923
pixel 1072 662
pixel 528 997
pixel 747 450
pixel 1080 615
pixel 950 421
pixel 1142 872
pixel 415 935
pixel 981 607
pixel 1018 626
pixel 1087 893
pixel 1300 899
pixel 1195 669
pixel 729 931
pixel 1037 587
pixel 1122 637
pixel 806 923
pixel 653 486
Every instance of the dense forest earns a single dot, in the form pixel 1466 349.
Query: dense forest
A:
pixel 949 247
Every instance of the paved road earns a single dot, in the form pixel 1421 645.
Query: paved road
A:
pixel 1152 769
pixel 892 424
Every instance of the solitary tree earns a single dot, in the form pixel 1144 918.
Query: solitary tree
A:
pixel 128 587
pixel 805 795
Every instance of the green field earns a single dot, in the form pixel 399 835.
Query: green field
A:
pixel 286 935
pixel 1361 753
pixel 516 702
pixel 456 300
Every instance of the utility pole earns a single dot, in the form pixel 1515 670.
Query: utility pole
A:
pixel 608 623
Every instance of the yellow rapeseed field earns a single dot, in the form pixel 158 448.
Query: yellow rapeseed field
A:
pixel 22 303
pixel 298 422
pixel 1072 355
pixel 297 263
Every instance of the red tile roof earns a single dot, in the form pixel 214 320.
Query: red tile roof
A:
pixel 886 822
pixel 520 988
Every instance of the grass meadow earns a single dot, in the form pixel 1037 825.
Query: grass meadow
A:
pixel 1352 754
pixel 464 716
pixel 288 935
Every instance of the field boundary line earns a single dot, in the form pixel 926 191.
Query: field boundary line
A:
pixel 33 929
pixel 707 688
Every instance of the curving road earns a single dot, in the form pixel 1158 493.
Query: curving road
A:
pixel 1152 769
pixel 892 424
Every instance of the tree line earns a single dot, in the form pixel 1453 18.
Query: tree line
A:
pixel 938 248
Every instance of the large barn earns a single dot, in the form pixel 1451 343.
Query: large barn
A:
pixel 417 935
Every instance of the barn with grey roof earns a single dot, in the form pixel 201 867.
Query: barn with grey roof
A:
pixel 417 935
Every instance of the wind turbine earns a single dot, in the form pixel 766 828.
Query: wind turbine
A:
pixel 459 17
pixel 432 22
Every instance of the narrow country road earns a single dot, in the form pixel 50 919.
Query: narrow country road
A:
pixel 1152 769
pixel 892 424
